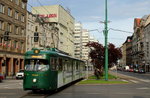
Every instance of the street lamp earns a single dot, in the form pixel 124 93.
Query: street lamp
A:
pixel 106 40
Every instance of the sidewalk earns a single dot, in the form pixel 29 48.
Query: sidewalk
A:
pixel 10 78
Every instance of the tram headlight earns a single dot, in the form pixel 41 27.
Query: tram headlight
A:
pixel 34 80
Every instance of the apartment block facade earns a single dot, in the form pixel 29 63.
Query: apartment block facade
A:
pixel 64 22
pixel 85 40
pixel 137 51
pixel 78 40
pixel 47 31
pixel 12 25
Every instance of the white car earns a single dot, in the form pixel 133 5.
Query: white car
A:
pixel 20 74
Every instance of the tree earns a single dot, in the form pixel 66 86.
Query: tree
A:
pixel 97 55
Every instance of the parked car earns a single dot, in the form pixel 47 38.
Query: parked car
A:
pixel 131 70
pixel 20 74
pixel 136 70
pixel 141 70
pixel 126 68
pixel 1 77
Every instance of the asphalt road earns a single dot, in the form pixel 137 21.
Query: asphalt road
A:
pixel 135 89
pixel 105 91
pixel 11 89
pixel 145 77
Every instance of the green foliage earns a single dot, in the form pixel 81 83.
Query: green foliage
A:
pixel 101 82
pixel 109 77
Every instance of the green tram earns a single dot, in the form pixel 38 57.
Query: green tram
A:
pixel 50 69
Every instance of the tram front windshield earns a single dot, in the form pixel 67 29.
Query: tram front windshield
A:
pixel 36 65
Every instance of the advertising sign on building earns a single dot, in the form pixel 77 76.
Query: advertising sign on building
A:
pixel 48 15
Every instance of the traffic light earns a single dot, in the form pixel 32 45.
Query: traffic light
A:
pixel 36 36
pixel 6 36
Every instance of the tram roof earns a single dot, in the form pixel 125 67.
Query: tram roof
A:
pixel 51 51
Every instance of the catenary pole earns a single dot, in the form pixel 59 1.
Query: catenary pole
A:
pixel 106 41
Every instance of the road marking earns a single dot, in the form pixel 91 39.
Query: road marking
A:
pixel 144 80
pixel 143 88
pixel 134 81
pixel 94 93
pixel 7 93
pixel 125 80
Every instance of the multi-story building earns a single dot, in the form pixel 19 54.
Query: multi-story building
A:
pixel 12 35
pixel 85 40
pixel 92 39
pixel 146 32
pixel 64 22
pixel 78 40
pixel 48 32
pixel 123 61
pixel 136 42
pixel 129 51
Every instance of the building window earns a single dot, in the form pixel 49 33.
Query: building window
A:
pixel 1 25
pixel 22 18
pixel 15 44
pixel 9 12
pixel 17 2
pixel 9 27
pixel 16 30
pixel 22 32
pixel 22 46
pixel 1 8
pixel 16 15
pixel 23 5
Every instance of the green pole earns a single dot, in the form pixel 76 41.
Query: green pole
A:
pixel 106 46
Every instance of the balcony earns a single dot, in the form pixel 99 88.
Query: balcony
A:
pixel 12 49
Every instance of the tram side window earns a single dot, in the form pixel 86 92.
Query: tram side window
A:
pixel 77 66
pixel 60 64
pixel 65 65
pixel 83 64
pixel 74 63
pixel 54 64
pixel 69 66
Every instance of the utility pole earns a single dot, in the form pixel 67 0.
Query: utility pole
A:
pixel 106 41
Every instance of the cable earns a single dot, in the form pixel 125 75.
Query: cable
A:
pixel 95 30
pixel 42 6
pixel 120 30
pixel 33 8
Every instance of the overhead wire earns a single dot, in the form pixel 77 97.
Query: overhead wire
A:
pixel 120 30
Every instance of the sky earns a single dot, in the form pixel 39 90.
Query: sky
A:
pixel 91 13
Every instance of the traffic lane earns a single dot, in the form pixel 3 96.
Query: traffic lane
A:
pixel 104 91
pixel 11 84
pixel 11 88
pixel 12 93
pixel 137 75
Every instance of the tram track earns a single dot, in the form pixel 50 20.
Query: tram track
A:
pixel 36 95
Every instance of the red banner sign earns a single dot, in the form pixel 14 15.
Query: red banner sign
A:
pixel 48 15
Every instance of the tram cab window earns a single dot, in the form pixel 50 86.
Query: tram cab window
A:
pixel 36 65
